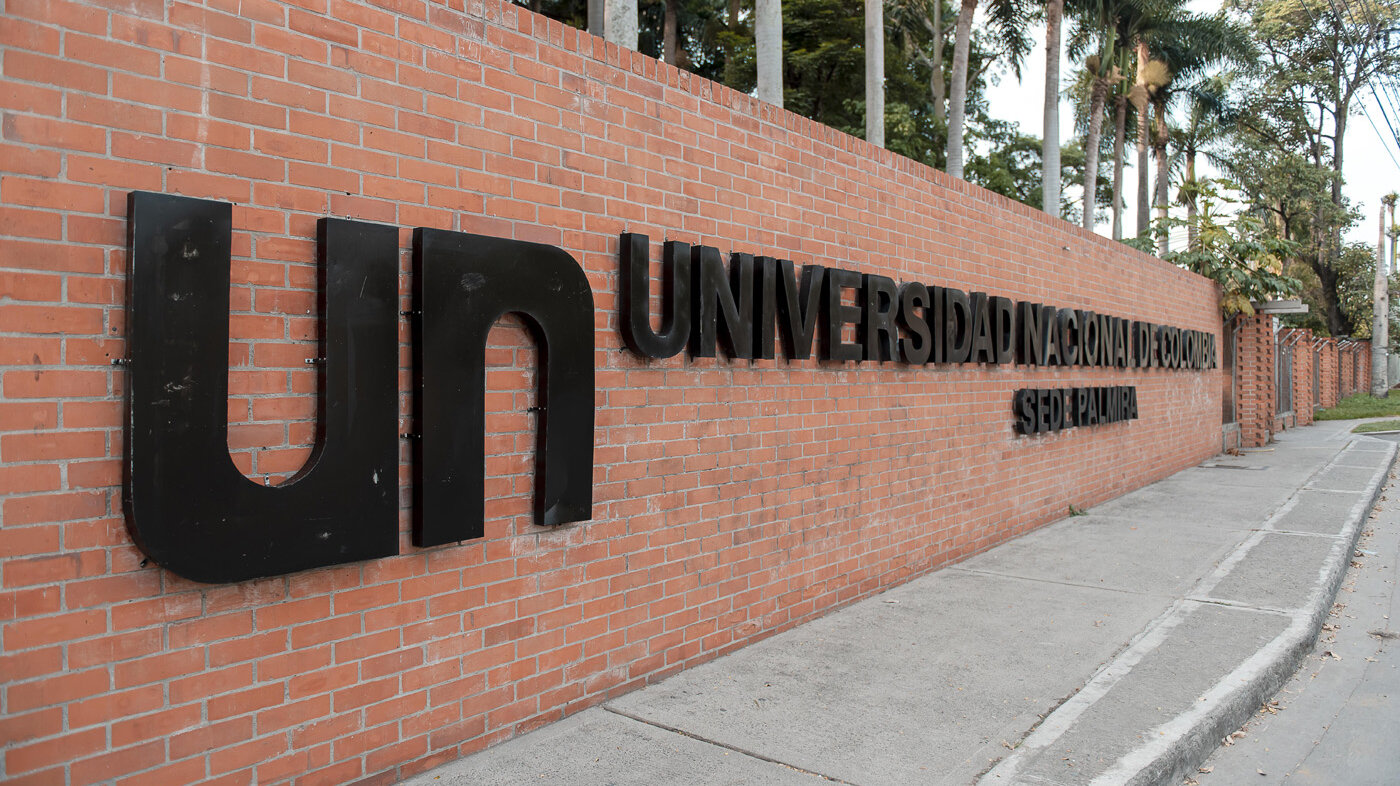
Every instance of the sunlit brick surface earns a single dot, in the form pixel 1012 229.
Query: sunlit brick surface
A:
pixel 732 498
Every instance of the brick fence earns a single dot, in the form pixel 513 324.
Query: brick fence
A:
pixel 732 499
pixel 1343 368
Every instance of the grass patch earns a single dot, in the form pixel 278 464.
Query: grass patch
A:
pixel 1363 405
pixel 1377 425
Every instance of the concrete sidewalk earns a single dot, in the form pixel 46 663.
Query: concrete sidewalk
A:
pixel 1113 647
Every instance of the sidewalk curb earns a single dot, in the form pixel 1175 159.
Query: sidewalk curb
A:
pixel 1281 658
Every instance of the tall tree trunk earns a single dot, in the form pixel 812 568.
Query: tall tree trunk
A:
pixel 957 102
pixel 1091 150
pixel 670 32
pixel 1338 152
pixel 1050 129
pixel 875 72
pixel 1120 125
pixel 940 88
pixel 768 49
pixel 1144 203
pixel 595 16
pixel 1331 294
pixel 1159 152
pixel 733 18
pixel 1191 229
pixel 620 23
pixel 1380 323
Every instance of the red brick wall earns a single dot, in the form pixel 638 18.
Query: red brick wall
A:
pixel 1257 405
pixel 1354 361
pixel 1330 359
pixel 732 499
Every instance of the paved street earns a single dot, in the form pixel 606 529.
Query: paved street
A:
pixel 1338 720
pixel 1115 647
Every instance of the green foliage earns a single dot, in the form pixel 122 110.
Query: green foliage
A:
pixel 1316 58
pixel 1009 163
pixel 824 61
pixel 1376 425
pixel 1357 265
pixel 1235 251
pixel 824 73
pixel 1362 405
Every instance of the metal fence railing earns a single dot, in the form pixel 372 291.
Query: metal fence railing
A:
pixel 1283 372
pixel 1229 413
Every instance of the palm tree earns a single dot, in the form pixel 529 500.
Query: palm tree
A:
pixel 1096 28
pixel 1112 27
pixel 1209 118
pixel 1141 104
pixel 1101 80
pixel 1186 45
pixel 1008 23
pixel 915 27
pixel 1120 127
pixel 1050 130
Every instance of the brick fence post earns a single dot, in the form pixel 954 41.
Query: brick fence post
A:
pixel 1302 341
pixel 1346 369
pixel 1328 384
pixel 1257 395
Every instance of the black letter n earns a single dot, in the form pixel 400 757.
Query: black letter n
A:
pixel 462 285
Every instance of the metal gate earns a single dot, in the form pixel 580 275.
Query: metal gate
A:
pixel 1316 375
pixel 1283 374
pixel 1232 382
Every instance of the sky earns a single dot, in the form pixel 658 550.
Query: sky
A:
pixel 1371 168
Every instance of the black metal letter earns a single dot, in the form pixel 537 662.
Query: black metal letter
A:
pixel 1003 317
pixel 636 297
pixel 765 283
pixel 1030 348
pixel 798 308
pixel 957 332
pixel 719 296
pixel 1023 404
pixel 1068 332
pixel 462 285
pixel 913 317
pixel 187 505
pixel 983 348
pixel 836 316
pixel 877 332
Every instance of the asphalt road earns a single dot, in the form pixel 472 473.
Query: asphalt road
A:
pixel 1337 721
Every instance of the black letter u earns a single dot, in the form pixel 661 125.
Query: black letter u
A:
pixel 187 505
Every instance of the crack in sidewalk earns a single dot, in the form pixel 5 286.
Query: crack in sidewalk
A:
pixel 725 745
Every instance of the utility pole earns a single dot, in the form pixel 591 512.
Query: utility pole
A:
pixel 1380 321
pixel 1389 200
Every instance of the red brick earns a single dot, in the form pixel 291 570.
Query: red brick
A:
pixel 31 67
pixel 57 750
pixel 38 508
pixel 46 570
pixel 487 119
pixel 54 690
